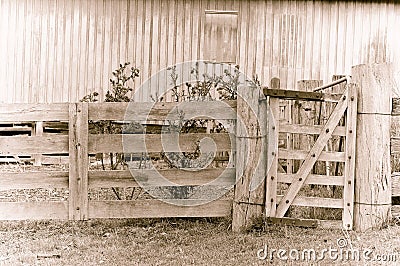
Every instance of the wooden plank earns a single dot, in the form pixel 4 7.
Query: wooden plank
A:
pixel 349 171
pixel 301 95
pixel 312 157
pixel 394 145
pixel 330 224
pixel 34 210
pixel 33 112
pixel 16 129
pixel 33 144
pixel 32 180
pixel 314 202
pixel 158 209
pixel 396 184
pixel 273 141
pixel 79 162
pixel 309 129
pixel 38 131
pixel 309 223
pixel 149 177
pixel 142 111
pixel 48 160
pixel 313 179
pixel 332 156
pixel 130 143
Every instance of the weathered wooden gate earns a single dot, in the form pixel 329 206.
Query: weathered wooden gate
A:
pixel 311 157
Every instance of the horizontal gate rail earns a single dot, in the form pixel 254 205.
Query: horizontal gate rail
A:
pixel 301 95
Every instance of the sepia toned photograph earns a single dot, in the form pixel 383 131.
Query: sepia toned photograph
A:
pixel 199 132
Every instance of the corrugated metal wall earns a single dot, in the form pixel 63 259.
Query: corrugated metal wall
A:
pixel 60 50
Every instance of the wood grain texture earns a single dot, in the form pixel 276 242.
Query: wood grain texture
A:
pixel 32 180
pixel 272 174
pixel 302 154
pixel 79 162
pixel 251 157
pixel 309 129
pixel 33 112
pixel 373 180
pixel 314 179
pixel 350 164
pixel 315 202
pixel 130 143
pixel 34 144
pixel 142 111
pixel 158 209
pixel 147 177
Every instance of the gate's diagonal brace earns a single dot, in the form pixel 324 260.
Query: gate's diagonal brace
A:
pixel 312 156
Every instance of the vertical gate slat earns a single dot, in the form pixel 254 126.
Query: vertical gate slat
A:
pixel 273 141
pixel 349 172
pixel 78 157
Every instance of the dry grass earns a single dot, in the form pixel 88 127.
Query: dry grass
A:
pixel 169 242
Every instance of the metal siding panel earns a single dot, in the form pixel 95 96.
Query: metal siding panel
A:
pixel 60 50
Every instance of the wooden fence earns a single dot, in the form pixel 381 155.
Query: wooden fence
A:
pixel 308 148
pixel 79 179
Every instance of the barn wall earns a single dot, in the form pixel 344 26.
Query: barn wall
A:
pixel 60 50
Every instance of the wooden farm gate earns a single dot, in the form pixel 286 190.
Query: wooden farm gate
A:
pixel 312 138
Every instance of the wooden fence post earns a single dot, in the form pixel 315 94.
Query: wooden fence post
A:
pixel 37 130
pixel 373 173
pixel 251 160
pixel 78 161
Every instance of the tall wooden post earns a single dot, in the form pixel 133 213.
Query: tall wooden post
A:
pixel 251 160
pixel 373 173
pixel 78 161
